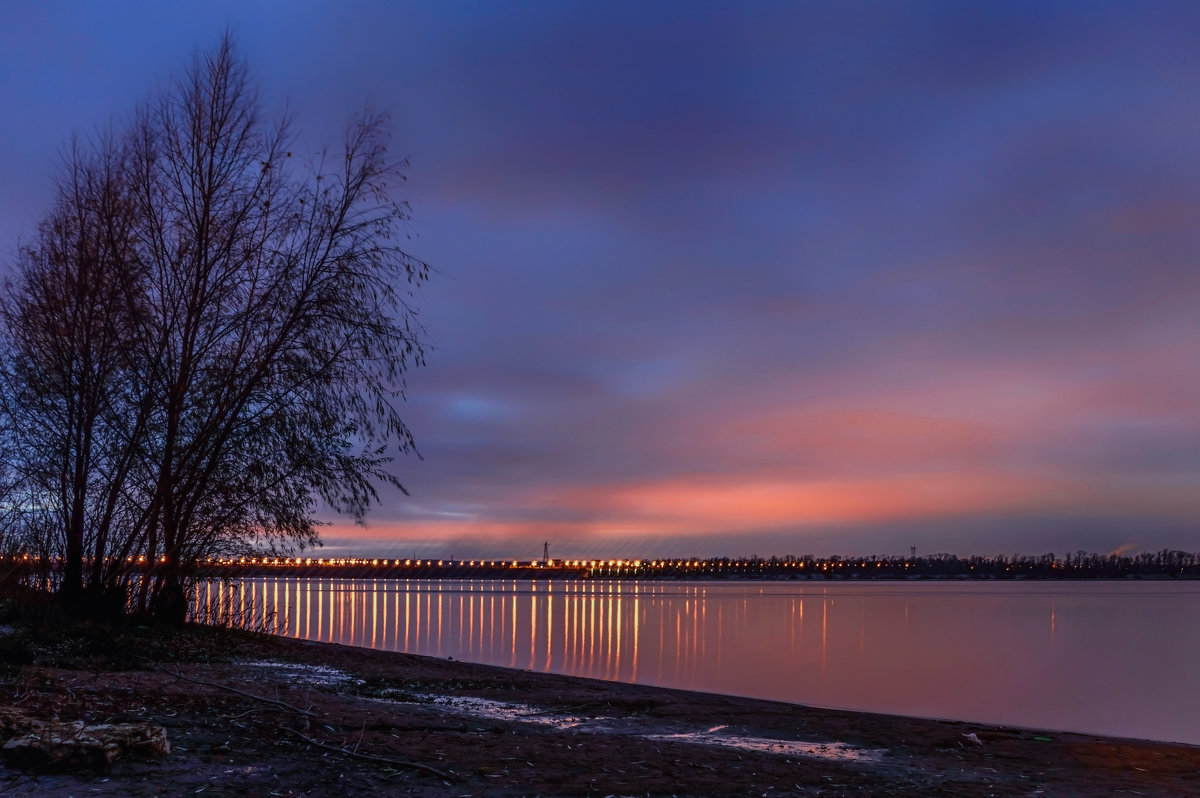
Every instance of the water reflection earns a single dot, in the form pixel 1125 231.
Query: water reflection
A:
pixel 1111 658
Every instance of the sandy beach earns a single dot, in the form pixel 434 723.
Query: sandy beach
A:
pixel 252 715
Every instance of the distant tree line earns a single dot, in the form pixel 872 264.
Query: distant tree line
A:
pixel 1080 565
pixel 205 338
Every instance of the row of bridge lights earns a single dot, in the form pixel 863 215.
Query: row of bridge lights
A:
pixel 26 558
pixel 376 563
pixel 346 561
pixel 298 561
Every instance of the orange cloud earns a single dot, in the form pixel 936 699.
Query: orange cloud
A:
pixel 701 504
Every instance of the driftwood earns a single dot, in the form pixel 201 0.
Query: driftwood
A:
pixel 32 742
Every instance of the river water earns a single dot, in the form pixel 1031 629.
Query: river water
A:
pixel 1113 658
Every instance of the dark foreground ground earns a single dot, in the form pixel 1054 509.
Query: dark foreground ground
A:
pixel 256 716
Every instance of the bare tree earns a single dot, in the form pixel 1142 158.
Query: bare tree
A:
pixel 238 333
pixel 68 319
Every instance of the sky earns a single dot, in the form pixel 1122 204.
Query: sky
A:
pixel 725 279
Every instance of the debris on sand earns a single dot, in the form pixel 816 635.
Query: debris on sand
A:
pixel 35 743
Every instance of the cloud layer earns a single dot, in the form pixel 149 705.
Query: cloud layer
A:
pixel 729 278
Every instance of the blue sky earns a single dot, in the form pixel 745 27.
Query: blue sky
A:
pixel 740 278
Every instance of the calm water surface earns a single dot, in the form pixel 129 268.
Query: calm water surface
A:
pixel 1115 658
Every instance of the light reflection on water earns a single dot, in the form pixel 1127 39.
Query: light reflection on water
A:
pixel 1102 657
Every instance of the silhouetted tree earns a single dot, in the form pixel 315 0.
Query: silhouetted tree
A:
pixel 232 343
pixel 67 319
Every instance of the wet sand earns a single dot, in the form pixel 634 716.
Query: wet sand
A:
pixel 252 715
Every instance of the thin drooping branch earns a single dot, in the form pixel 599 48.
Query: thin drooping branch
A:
pixel 272 701
pixel 382 760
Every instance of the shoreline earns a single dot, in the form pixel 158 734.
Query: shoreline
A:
pixel 250 714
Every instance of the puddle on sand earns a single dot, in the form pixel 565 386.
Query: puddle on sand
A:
pixel 524 713
pixel 842 752
pixel 312 675
pixel 494 710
